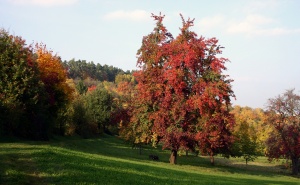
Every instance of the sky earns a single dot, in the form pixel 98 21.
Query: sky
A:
pixel 261 37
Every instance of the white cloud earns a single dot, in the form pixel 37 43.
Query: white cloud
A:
pixel 43 2
pixel 249 25
pixel 259 5
pixel 209 23
pixel 135 15
pixel 281 31
pixel 255 24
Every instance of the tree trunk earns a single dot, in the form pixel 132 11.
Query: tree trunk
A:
pixel 295 166
pixel 173 158
pixel 212 160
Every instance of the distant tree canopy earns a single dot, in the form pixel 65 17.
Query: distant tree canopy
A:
pixel 90 113
pixel 80 69
pixel 37 92
pixel 250 133
pixel 40 95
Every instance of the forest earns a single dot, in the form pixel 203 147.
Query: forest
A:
pixel 179 99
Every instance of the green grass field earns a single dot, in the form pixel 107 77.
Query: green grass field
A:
pixel 108 160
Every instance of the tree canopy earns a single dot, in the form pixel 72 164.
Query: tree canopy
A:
pixel 81 69
pixel 182 94
pixel 22 94
pixel 284 116
pixel 250 133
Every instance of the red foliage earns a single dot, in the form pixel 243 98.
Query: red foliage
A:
pixel 182 85
pixel 92 88
pixel 284 115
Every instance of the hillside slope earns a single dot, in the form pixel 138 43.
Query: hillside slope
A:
pixel 108 160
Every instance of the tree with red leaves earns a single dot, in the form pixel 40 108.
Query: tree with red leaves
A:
pixel 284 116
pixel 183 97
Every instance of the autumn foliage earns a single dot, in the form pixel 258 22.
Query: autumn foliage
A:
pixel 284 117
pixel 92 88
pixel 182 96
pixel 34 89
pixel 22 96
pixel 54 75
pixel 250 133
pixel 179 98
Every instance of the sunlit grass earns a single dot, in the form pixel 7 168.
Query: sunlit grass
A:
pixel 109 160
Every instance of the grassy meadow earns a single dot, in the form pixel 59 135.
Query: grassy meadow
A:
pixel 109 160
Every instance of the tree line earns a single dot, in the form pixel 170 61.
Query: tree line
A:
pixel 33 88
pixel 81 69
pixel 179 98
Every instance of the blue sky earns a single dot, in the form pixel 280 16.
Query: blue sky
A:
pixel 261 37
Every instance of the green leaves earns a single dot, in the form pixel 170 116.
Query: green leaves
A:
pixel 99 106
pixel 81 87
pixel 21 91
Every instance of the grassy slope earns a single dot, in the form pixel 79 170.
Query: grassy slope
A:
pixel 110 161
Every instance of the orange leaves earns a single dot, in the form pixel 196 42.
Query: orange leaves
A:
pixel 49 65
pixel 92 88
pixel 53 75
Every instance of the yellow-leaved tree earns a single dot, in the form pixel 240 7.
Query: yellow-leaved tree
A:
pixel 250 132
pixel 54 77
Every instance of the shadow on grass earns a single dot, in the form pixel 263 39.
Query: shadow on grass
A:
pixel 115 147
pixel 17 167
pixel 63 166
pixel 109 161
